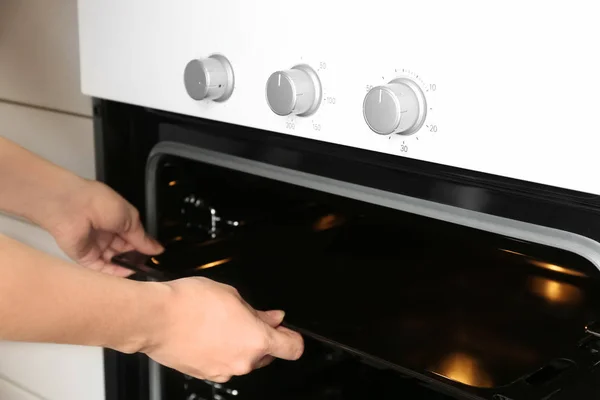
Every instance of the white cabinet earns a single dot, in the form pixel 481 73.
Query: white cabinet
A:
pixel 39 55
pixel 54 372
pixel 63 139
pixel 10 391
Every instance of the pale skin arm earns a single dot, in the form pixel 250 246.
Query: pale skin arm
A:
pixel 46 299
pixel 197 326
pixel 32 187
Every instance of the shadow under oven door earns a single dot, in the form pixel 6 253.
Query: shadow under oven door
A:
pixel 391 304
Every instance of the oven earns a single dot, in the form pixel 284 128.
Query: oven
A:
pixel 413 182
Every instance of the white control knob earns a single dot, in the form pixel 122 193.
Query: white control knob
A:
pixel 210 78
pixel 398 107
pixel 294 91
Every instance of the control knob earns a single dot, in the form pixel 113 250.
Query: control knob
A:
pixel 397 107
pixel 209 78
pixel 294 91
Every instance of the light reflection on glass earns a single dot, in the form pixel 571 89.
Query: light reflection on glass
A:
pixel 557 268
pixel 547 266
pixel 513 252
pixel 327 222
pixel 213 264
pixel 555 291
pixel 172 183
pixel 463 368
pixel 154 260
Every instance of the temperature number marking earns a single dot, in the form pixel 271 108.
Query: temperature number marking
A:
pixel 290 125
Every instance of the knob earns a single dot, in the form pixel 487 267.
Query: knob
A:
pixel 209 78
pixel 294 91
pixel 398 107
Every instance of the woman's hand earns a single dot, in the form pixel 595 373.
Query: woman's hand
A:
pixel 195 325
pixel 95 224
pixel 89 221
pixel 206 330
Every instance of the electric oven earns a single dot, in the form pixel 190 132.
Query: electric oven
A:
pixel 414 183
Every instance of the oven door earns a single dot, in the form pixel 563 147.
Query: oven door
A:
pixel 391 303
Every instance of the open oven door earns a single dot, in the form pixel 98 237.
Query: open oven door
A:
pixel 447 310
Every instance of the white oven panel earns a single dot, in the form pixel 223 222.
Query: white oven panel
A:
pixel 509 88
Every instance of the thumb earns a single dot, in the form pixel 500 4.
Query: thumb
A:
pixel 263 362
pixel 137 237
pixel 285 344
pixel 273 318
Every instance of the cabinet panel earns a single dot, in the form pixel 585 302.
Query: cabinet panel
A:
pixel 39 55
pixel 63 139
pixel 8 391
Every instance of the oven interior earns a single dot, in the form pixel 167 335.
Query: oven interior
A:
pixel 380 295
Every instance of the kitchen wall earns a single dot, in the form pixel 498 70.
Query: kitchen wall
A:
pixel 42 109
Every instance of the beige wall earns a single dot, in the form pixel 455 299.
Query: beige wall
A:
pixel 42 108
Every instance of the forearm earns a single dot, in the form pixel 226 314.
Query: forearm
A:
pixel 45 299
pixel 32 187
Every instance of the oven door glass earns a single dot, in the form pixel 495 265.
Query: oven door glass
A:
pixel 440 301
